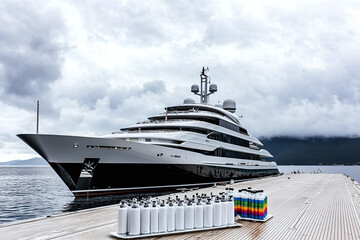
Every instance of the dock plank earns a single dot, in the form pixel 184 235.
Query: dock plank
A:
pixel 305 206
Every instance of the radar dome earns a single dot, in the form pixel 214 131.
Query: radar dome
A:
pixel 213 88
pixel 195 88
pixel 229 105
pixel 189 101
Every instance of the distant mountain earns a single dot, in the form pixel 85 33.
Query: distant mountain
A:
pixel 32 161
pixel 313 150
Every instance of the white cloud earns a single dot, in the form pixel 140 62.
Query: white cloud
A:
pixel 292 67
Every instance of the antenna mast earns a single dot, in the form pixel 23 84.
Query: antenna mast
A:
pixel 204 82
pixel 204 87
pixel 37 118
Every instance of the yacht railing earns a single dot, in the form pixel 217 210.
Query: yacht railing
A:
pixel 192 111
pixel 169 120
pixel 145 131
pixel 174 120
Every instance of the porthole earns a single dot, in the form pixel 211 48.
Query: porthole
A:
pixel 76 145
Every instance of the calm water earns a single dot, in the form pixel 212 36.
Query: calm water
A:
pixel 28 192
pixel 352 171
pixel 35 191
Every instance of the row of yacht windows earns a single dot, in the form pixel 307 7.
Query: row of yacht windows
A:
pixel 108 147
pixel 228 139
pixel 215 121
pixel 219 152
pixel 214 135
pixel 234 154
pixel 233 127
pixel 163 128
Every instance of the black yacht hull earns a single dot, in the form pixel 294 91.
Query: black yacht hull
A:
pixel 124 178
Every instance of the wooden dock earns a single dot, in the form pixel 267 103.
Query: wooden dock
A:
pixel 305 206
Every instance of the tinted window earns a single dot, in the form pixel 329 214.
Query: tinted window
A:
pixel 228 139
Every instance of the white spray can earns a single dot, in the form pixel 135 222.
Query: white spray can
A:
pixel 224 218
pixel 128 224
pixel 162 218
pixel 230 211
pixel 145 219
pixel 217 213
pixel 179 217
pixel 171 217
pixel 154 218
pixel 199 215
pixel 189 216
pixel 208 214
pixel 122 218
pixel 134 220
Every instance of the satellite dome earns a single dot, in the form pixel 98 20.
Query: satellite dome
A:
pixel 229 105
pixel 189 101
pixel 195 88
pixel 213 88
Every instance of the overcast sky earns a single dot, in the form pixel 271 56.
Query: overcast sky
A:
pixel 293 67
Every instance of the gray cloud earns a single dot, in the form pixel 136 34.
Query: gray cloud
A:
pixel 292 67
pixel 155 86
pixel 118 95
pixel 144 24
pixel 30 52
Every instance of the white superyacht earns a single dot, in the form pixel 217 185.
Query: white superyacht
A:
pixel 190 144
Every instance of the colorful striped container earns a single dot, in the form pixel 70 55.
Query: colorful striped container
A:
pixel 251 211
pixel 262 205
pixel 236 203
pixel 250 204
pixel 245 204
pixel 257 206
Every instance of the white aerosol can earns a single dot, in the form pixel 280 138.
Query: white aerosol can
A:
pixel 217 213
pixel 134 220
pixel 145 219
pixel 199 215
pixel 162 217
pixel 224 218
pixel 122 218
pixel 127 225
pixel 189 216
pixel 230 211
pixel 179 217
pixel 154 218
pixel 171 217
pixel 208 214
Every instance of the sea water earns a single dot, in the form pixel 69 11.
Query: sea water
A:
pixel 352 171
pixel 36 191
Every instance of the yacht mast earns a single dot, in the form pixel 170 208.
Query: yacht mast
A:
pixel 204 83
pixel 204 87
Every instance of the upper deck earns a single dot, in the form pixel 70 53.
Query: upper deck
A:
pixel 205 108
